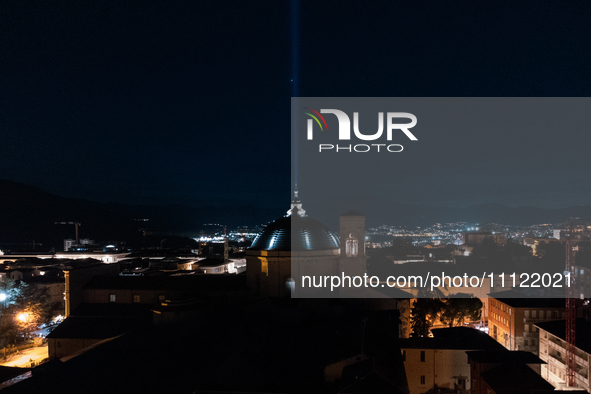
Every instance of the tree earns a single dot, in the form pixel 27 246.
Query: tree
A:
pixel 425 311
pixel 29 318
pixel 423 314
pixel 22 309
pixel 431 305
pixel 455 310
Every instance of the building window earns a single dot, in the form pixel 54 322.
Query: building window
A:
pixel 404 355
pixel 112 298
pixel 526 314
pixel 555 314
pixel 534 314
pixel 136 298
pixel 422 356
pixel 423 380
pixel 160 297
pixel 352 246
pixel 59 343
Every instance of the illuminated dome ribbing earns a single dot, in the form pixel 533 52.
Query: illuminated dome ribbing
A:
pixel 309 234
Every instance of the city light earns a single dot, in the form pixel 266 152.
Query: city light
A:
pixel 23 317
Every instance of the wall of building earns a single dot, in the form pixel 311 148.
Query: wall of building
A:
pixel 122 296
pixel 75 280
pixel 505 325
pixel 442 368
pixel 553 352
pixel 515 327
pixel 268 272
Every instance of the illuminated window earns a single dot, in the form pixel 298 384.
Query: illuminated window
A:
pixel 352 246
pixel 136 298
pixel 112 298
pixel 265 267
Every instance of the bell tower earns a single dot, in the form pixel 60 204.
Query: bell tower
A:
pixel 352 234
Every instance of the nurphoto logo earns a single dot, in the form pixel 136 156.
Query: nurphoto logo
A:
pixel 344 133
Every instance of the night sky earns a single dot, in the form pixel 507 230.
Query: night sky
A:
pixel 146 102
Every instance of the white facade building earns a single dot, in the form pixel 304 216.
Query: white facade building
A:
pixel 553 352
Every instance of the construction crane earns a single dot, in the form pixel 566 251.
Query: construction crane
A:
pixel 76 225
pixel 571 311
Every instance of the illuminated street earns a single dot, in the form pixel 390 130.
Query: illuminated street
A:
pixel 24 357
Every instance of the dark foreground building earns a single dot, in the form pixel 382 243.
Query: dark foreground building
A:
pixel 215 334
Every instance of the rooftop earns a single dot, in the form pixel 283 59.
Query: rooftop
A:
pixel 164 282
pixel 352 213
pixel 504 357
pixel 459 338
pixel 518 300
pixel 514 379
pixel 91 327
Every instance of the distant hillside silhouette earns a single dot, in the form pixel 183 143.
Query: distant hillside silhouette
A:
pixel 28 214
pixel 379 211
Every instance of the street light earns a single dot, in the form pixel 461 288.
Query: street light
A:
pixel 23 317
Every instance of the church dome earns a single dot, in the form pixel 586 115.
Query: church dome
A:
pixel 309 235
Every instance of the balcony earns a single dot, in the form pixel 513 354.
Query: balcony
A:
pixel 552 344
pixel 582 381
pixel 557 357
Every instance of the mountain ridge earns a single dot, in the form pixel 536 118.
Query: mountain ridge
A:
pixel 29 213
